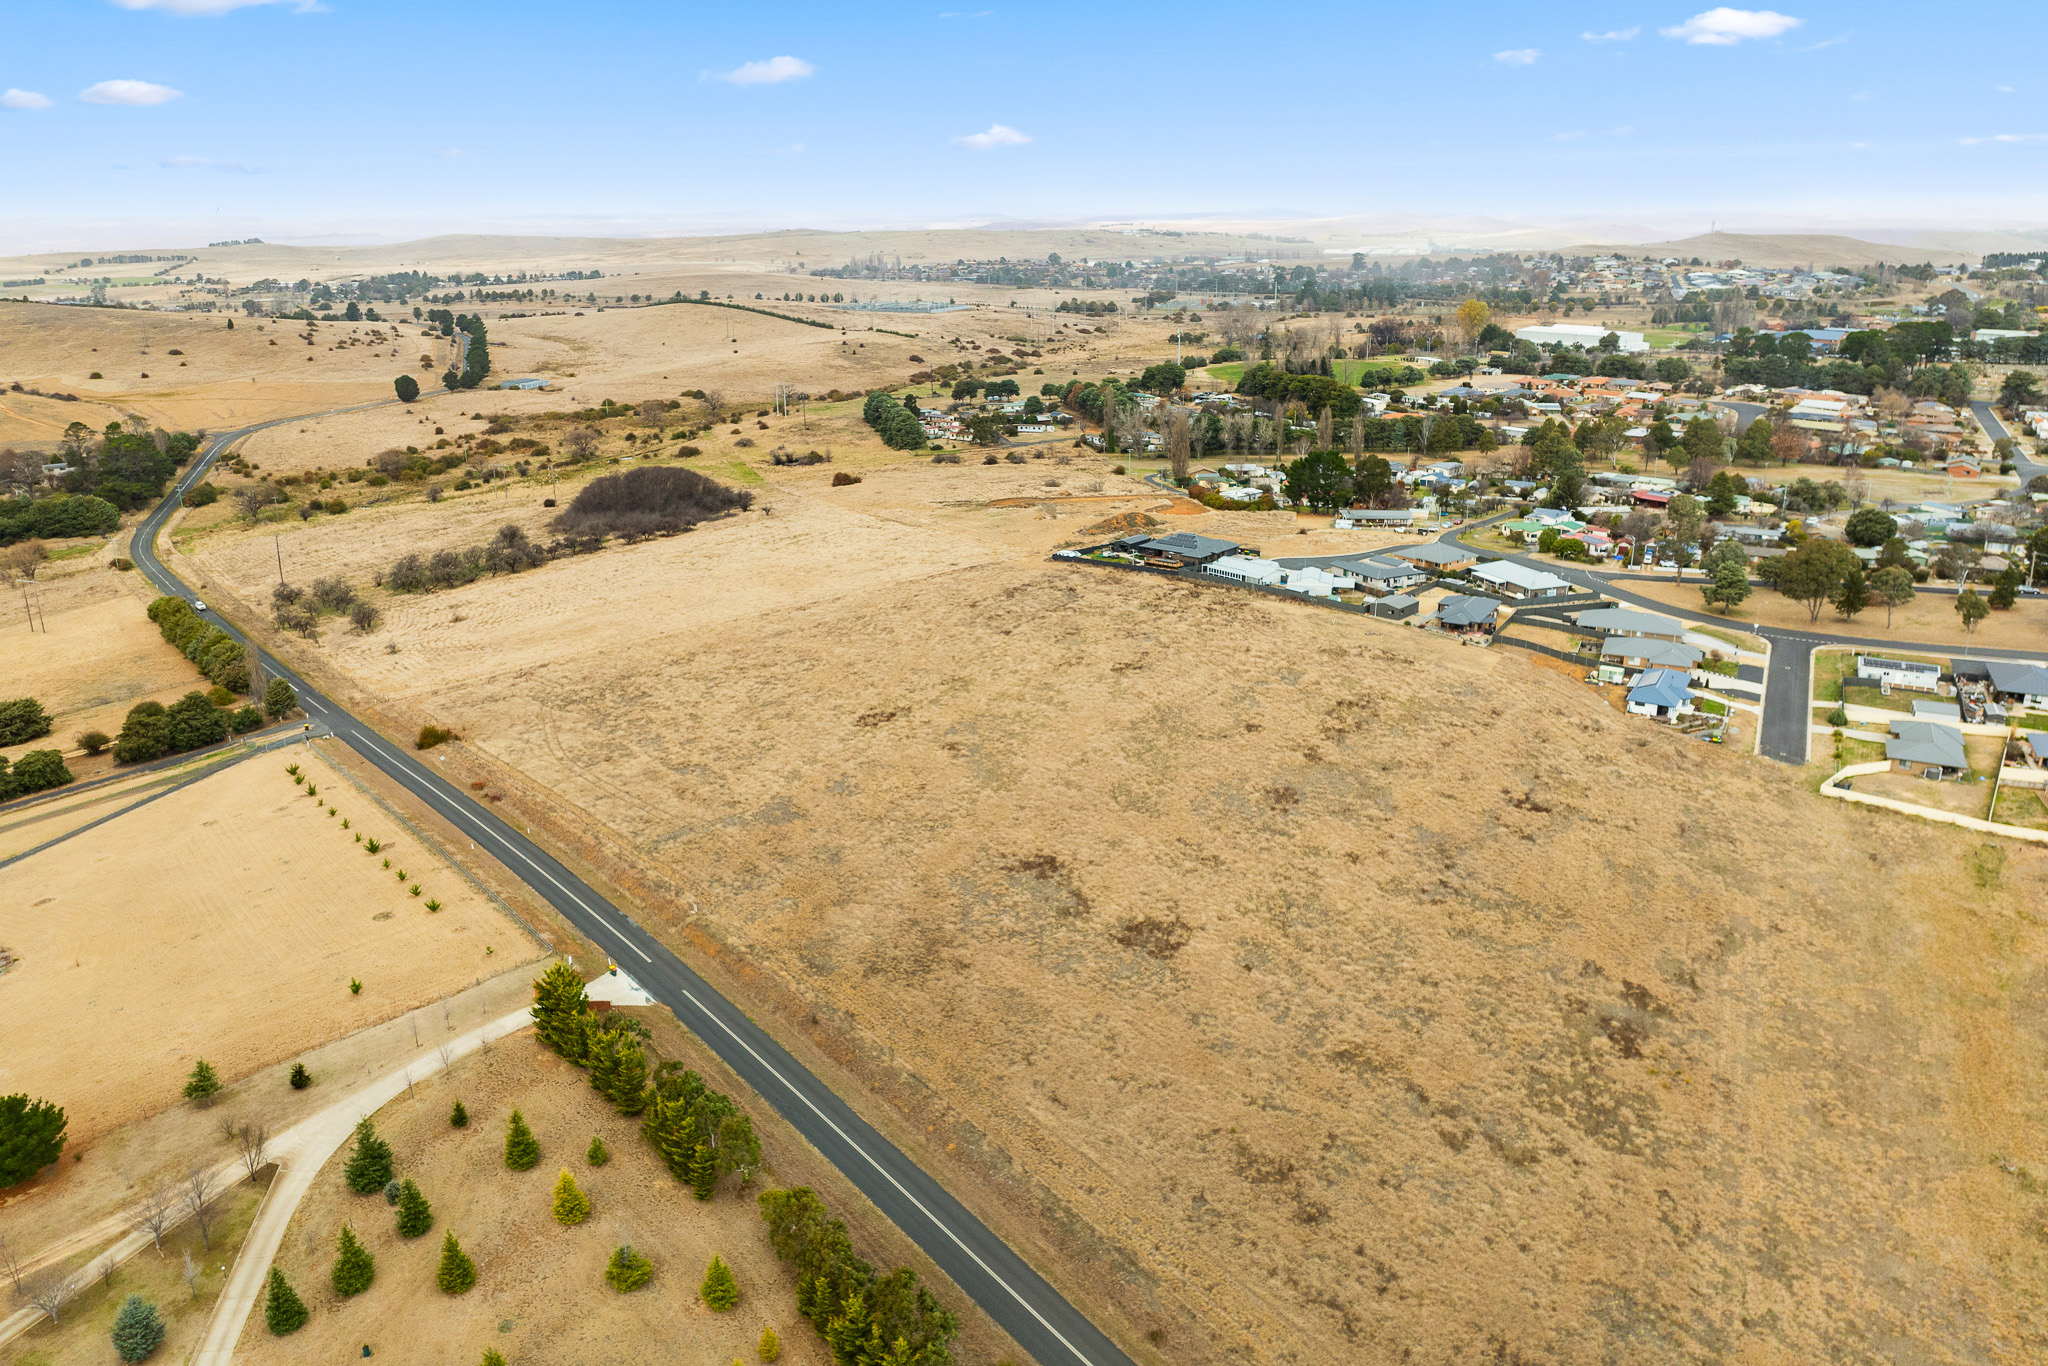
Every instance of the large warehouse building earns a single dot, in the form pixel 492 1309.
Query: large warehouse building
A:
pixel 1579 334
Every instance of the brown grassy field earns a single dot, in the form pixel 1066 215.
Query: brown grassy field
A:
pixel 99 656
pixel 1298 989
pixel 1929 618
pixel 223 921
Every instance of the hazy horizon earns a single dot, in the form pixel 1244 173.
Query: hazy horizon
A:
pixel 169 122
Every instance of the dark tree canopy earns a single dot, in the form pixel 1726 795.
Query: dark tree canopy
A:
pixel 31 1137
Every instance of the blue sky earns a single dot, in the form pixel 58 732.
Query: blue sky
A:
pixel 130 121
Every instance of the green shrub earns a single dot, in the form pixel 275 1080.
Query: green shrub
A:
pixel 31 1137
pixel 459 1117
pixel 522 1150
pixel 627 1270
pixel 300 1078
pixel 354 1267
pixel 369 1163
pixel 415 1215
pixel 457 1273
pixel 720 1291
pixel 203 1084
pixel 93 742
pixel 283 1311
pixel 138 1329
pixel 597 1154
pixel 36 771
pixel 22 720
pixel 435 735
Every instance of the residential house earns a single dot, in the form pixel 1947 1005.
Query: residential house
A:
pixel 2018 682
pixel 1898 673
pixel 1962 465
pixel 1645 652
pixel 1243 569
pixel 1519 581
pixel 1661 692
pixel 1467 616
pixel 1926 748
pixel 1184 547
pixel 1377 575
pixel 1627 621
pixel 1441 556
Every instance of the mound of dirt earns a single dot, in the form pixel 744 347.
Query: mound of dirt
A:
pixel 1123 524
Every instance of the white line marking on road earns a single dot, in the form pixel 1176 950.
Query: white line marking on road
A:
pixel 891 1178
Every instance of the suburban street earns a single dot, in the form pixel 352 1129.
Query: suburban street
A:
pixel 1042 1321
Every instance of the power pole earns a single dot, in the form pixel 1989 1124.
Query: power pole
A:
pixel 277 541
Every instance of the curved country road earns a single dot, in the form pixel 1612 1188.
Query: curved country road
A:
pixel 1021 1301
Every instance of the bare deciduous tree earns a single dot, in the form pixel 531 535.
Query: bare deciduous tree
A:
pixel 652 411
pixel 156 1211
pixel 10 1262
pixel 714 400
pixel 201 1185
pixel 253 499
pixel 447 1056
pixel 580 442
pixel 253 1142
pixel 191 1274
pixel 49 1289
pixel 227 1125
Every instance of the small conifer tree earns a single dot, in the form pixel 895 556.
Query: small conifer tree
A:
pixel 627 1270
pixel 492 1357
pixel 703 1172
pixel 301 1078
pixel 138 1329
pixel 204 1083
pixel 719 1291
pixel 457 1272
pixel 354 1267
pixel 459 1117
pixel 369 1166
pixel 283 1310
pixel 771 1346
pixel 521 1148
pixel 597 1154
pixel 572 1206
pixel 415 1215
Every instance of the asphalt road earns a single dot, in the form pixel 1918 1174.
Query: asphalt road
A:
pixel 986 1268
pixel 1994 427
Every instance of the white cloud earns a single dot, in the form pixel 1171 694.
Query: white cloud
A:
pixel 128 92
pixel 2001 89
pixel 23 99
pixel 774 71
pixel 2004 137
pixel 1519 56
pixel 187 9
pixel 998 135
pixel 1725 27
pixel 1613 35
pixel 206 164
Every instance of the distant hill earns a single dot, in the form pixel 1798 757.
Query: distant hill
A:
pixel 1781 249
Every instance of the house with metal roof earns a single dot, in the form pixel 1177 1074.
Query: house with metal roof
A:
pixel 1383 576
pixel 1244 569
pixel 1395 607
pixel 1648 652
pixel 1926 748
pixel 1437 555
pixel 1187 547
pixel 2018 681
pixel 1660 692
pixel 1519 581
pixel 1627 621
pixel 1466 615
pixel 1900 673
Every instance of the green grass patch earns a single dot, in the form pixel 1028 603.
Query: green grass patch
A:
pixel 72 552
pixel 1867 695
pixel 1724 667
pixel 743 473
pixel 1739 641
pixel 2031 722
pixel 1710 706
pixel 1230 372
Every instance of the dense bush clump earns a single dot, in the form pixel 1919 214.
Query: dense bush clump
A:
pixel 656 500
pixel 153 730
pixel 508 552
pixel 36 771
pixel 896 422
pixel 24 519
pixel 23 720
pixel 31 1137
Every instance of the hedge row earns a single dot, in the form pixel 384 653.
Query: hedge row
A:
pixel 219 655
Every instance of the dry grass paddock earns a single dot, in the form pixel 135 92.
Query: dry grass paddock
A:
pixel 224 921
pixel 1295 987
